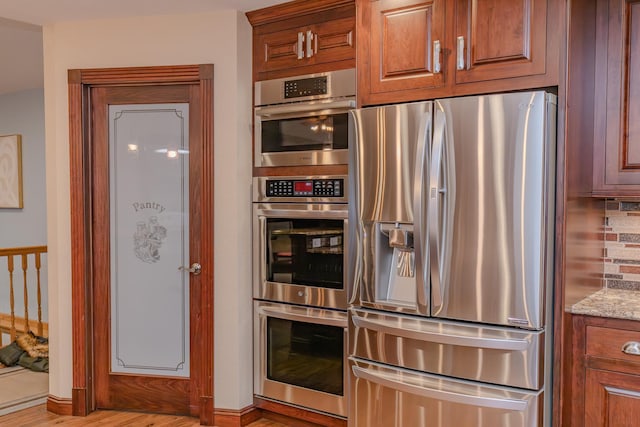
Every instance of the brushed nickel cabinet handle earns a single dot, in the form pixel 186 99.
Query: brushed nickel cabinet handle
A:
pixel 460 61
pixel 300 45
pixel 310 38
pixel 631 347
pixel 436 56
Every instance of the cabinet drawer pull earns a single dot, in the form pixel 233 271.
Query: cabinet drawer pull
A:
pixel 631 347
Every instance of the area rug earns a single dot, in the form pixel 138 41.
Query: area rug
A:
pixel 21 388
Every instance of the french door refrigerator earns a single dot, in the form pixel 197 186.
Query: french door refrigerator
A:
pixel 452 219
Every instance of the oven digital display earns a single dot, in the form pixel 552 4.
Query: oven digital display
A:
pixel 303 188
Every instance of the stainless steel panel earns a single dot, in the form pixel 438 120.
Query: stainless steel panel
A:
pixel 260 190
pixel 292 394
pixel 384 396
pixel 340 84
pixel 285 292
pixel 388 151
pixel 297 158
pixel 496 355
pixel 493 257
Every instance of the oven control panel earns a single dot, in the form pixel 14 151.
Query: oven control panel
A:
pixel 333 187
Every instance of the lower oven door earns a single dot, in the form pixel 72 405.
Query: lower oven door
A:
pixel 300 356
pixel 299 253
pixel 387 396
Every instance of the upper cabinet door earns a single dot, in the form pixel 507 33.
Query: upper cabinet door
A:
pixel 403 47
pixel 303 37
pixel 617 129
pixel 498 39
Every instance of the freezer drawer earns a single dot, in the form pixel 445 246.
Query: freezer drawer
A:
pixel 497 355
pixel 384 396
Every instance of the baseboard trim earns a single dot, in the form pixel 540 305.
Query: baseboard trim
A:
pixel 59 405
pixel 236 417
pixel 295 416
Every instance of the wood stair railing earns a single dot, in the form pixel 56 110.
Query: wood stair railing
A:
pixel 10 323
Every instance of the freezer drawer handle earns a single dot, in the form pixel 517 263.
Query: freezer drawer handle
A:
pixel 386 380
pixel 631 347
pixel 441 338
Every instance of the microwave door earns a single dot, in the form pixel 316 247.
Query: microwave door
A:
pixel 312 133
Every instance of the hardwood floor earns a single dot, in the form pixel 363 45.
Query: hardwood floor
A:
pixel 38 416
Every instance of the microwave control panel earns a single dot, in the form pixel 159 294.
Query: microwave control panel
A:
pixel 305 87
pixel 305 188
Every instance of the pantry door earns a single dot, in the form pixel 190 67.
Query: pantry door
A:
pixel 151 291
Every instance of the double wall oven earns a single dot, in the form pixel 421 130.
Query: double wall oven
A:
pixel 300 291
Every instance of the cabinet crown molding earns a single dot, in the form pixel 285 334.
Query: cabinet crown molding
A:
pixel 292 9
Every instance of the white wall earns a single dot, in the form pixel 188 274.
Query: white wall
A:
pixel 23 113
pixel 221 38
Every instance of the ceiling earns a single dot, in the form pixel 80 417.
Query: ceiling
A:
pixel 21 32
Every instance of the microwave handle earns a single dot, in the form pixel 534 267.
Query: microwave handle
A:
pixel 277 110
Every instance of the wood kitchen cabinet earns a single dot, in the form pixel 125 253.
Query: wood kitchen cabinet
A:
pixel 303 37
pixel 420 49
pixel 499 39
pixel 606 379
pixel 400 47
pixel 617 110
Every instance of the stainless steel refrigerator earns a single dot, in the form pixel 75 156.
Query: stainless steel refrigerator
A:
pixel 452 222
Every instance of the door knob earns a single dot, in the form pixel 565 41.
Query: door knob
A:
pixel 195 268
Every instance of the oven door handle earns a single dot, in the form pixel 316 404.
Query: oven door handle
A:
pixel 303 316
pixel 338 212
pixel 320 107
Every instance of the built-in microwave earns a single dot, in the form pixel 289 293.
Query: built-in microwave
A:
pixel 303 120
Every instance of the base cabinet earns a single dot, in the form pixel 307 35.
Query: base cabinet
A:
pixel 606 373
pixel 611 399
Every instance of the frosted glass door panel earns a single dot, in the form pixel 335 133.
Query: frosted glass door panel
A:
pixel 149 203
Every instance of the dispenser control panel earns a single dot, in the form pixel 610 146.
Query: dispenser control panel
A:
pixel 333 187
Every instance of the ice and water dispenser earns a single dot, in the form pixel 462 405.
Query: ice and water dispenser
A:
pixel 395 271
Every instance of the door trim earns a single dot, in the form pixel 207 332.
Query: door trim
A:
pixel 80 81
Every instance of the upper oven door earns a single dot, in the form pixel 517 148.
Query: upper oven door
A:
pixel 309 133
pixel 299 253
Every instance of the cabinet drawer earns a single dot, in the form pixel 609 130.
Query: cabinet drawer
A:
pixel 608 343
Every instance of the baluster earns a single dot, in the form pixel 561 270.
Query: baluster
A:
pixel 25 327
pixel 12 331
pixel 39 294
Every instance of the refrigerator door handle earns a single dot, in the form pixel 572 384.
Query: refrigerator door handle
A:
pixel 419 219
pixel 435 233
pixel 395 382
pixel 393 328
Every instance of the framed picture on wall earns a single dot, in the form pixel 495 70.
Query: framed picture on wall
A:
pixel 11 171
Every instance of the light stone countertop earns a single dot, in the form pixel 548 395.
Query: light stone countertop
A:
pixel 615 303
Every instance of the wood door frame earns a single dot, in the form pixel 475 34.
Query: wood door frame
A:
pixel 80 81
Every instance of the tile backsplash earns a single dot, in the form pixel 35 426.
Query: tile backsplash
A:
pixel 622 245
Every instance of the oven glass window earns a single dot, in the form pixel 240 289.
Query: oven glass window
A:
pixel 305 252
pixel 324 132
pixel 305 354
